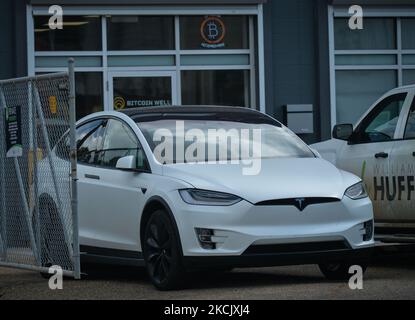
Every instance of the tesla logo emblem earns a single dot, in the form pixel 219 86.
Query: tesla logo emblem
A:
pixel 300 204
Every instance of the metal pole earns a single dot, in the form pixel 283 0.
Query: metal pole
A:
pixel 25 206
pixel 3 214
pixel 35 179
pixel 74 173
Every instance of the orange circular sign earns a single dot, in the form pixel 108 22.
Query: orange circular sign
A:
pixel 213 30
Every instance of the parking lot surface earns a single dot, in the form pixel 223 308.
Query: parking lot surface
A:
pixel 391 276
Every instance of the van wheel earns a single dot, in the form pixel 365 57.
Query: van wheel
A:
pixel 339 270
pixel 161 250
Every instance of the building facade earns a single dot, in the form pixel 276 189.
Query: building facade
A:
pixel 297 60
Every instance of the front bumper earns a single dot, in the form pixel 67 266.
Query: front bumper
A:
pixel 243 225
pixel 355 256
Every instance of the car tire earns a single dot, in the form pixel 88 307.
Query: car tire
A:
pixel 162 253
pixel 54 250
pixel 339 271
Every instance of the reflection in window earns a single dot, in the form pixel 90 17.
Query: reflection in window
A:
pixel 140 33
pixel 134 92
pixel 378 33
pixel 88 141
pixel 410 126
pixel 120 141
pixel 408 77
pixel 89 93
pixel 78 34
pixel 214 32
pixel 216 87
pixel 383 122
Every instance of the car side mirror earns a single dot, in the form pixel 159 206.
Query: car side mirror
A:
pixel 127 163
pixel 343 131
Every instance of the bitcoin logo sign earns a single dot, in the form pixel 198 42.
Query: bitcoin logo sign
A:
pixel 213 32
pixel 119 103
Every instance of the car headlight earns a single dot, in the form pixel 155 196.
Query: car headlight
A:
pixel 208 198
pixel 356 191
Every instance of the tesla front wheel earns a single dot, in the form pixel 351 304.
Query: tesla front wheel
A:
pixel 339 270
pixel 162 252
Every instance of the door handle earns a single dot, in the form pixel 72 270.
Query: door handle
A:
pixel 413 153
pixel 383 155
pixel 91 176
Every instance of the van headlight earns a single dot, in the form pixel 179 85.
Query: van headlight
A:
pixel 356 191
pixel 208 198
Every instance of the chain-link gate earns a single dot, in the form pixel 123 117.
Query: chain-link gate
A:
pixel 38 217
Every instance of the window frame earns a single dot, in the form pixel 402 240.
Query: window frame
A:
pixel 256 52
pixel 398 13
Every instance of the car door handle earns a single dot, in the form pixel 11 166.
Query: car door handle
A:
pixel 383 155
pixel 413 153
pixel 92 176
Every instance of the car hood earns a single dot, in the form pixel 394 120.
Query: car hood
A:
pixel 278 179
pixel 329 149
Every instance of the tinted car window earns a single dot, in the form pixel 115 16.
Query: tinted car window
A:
pixel 120 141
pixel 89 140
pixel 410 125
pixel 380 125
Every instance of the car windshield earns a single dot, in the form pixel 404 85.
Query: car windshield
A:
pixel 197 138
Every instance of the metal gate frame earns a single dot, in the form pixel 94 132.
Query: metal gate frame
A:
pixel 35 107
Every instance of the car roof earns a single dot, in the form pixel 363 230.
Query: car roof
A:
pixel 202 112
pixel 186 109
pixel 408 87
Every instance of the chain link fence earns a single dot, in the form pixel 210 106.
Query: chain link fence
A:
pixel 38 216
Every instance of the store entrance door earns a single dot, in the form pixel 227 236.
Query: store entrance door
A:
pixel 141 89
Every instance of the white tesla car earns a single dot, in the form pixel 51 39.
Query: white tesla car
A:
pixel 141 203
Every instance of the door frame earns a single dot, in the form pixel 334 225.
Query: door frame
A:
pixel 140 74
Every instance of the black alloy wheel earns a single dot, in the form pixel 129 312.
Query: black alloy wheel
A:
pixel 161 252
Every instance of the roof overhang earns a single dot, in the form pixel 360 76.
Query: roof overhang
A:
pixel 143 2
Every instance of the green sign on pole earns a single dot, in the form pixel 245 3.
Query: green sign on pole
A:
pixel 13 129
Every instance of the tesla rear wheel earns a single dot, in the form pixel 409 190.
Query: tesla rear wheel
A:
pixel 54 250
pixel 339 270
pixel 162 252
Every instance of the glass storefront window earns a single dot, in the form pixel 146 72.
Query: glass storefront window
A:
pixel 357 90
pixel 140 33
pixel 408 77
pixel 78 34
pixel 408 34
pixel 89 93
pixel 216 87
pixel 378 33
pixel 214 32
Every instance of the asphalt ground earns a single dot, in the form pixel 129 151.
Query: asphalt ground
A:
pixel 391 275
